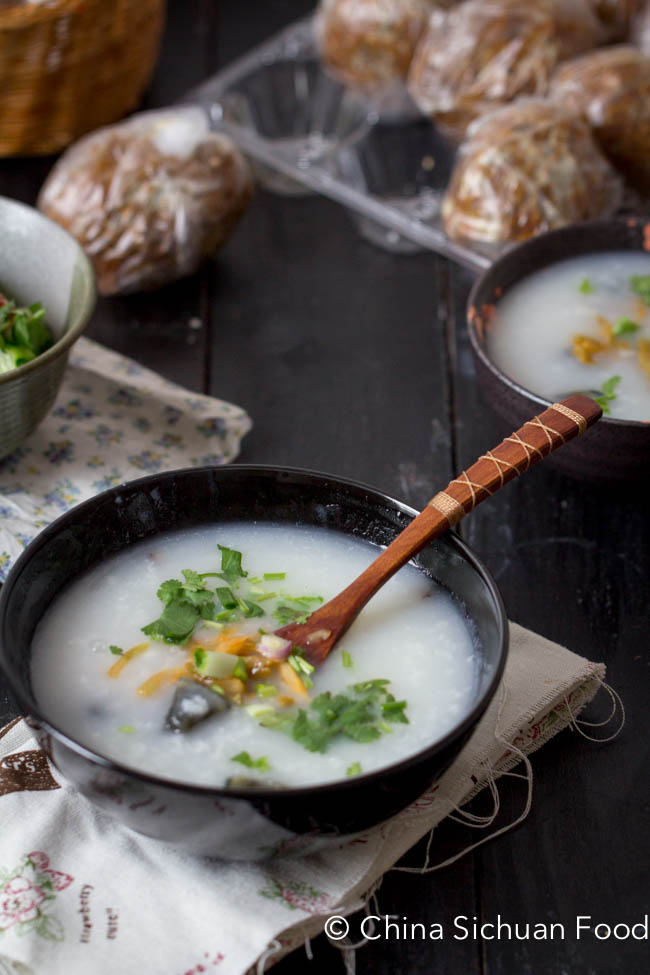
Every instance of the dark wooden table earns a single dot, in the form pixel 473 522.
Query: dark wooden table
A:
pixel 354 361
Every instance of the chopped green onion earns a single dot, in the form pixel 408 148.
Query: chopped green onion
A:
pixel 354 769
pixel 250 609
pixel 266 690
pixel 298 662
pixel 347 659
pixel 212 624
pixel 275 575
pixel 259 710
pixel 227 598
pixel 240 670
pixel 128 729
pixel 199 657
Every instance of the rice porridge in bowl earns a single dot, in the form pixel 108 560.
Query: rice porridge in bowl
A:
pixel 401 677
pixel 582 324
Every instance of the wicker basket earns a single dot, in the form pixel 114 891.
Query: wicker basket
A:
pixel 68 66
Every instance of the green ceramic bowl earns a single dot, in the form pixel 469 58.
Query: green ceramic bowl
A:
pixel 39 261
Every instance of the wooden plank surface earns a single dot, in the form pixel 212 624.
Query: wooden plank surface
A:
pixel 356 362
pixel 572 563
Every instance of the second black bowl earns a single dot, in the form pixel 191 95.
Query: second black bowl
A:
pixel 614 449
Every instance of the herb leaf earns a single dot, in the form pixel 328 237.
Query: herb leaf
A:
pixel 176 623
pixel 624 326
pixel 607 393
pixel 640 284
pixel 23 333
pixel 244 758
pixel 586 287
pixel 118 651
pixel 354 769
pixel 231 569
pixel 360 716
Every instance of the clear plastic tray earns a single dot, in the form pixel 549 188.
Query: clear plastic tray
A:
pixel 304 131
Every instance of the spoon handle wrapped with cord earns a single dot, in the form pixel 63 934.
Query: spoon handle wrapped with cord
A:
pixel 531 443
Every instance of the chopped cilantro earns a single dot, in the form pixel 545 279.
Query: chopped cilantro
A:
pixel 624 326
pixel 640 284
pixel 185 603
pixel 176 623
pixel 275 575
pixel 295 610
pixel 244 758
pixel 347 659
pixel 266 690
pixel 128 729
pixel 23 334
pixel 607 393
pixel 231 569
pixel 354 769
pixel 361 716
pixel 116 650
pixel 286 614
pixel 586 287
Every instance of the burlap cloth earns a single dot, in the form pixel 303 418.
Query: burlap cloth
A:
pixel 80 894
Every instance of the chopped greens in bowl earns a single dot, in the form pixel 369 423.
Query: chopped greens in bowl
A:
pixel 24 333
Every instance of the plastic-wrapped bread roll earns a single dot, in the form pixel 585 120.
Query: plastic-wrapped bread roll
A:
pixel 640 32
pixel 525 168
pixel 370 42
pixel 486 53
pixel 616 17
pixel 611 87
pixel 150 198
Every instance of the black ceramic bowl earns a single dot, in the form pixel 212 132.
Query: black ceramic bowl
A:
pixel 614 449
pixel 243 823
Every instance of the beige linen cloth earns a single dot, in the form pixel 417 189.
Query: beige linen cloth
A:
pixel 81 894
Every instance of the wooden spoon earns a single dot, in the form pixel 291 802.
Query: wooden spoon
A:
pixel 514 455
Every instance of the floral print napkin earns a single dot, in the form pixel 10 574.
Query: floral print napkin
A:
pixel 81 893
pixel 112 421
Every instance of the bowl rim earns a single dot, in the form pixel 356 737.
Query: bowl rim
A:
pixel 78 322
pixel 521 250
pixel 254 793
